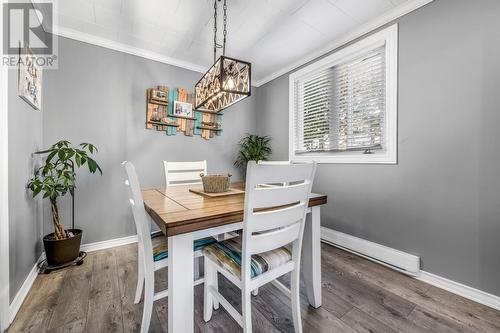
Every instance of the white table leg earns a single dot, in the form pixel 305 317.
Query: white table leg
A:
pixel 311 257
pixel 180 284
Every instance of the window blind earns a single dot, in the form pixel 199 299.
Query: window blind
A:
pixel 342 108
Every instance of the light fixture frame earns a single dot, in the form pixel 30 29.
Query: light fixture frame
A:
pixel 220 76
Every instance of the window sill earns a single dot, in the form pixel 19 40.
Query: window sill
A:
pixel 380 158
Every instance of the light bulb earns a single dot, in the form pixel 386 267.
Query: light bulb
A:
pixel 230 84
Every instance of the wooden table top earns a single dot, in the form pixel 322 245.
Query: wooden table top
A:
pixel 176 210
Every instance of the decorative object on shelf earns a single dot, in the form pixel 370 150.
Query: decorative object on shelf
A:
pixel 215 183
pixel 54 179
pixel 228 81
pixel 183 109
pixel 252 148
pixel 159 96
pixel 157 108
pixel 29 79
pixel 171 110
pixel 206 131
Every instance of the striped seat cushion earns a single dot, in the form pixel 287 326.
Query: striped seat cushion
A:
pixel 160 245
pixel 227 254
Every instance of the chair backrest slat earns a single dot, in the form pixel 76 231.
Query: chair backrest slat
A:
pixel 184 173
pixel 184 176
pixel 274 215
pixel 277 218
pixel 274 239
pixel 280 195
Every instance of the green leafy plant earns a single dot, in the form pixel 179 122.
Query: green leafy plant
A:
pixel 57 176
pixel 252 148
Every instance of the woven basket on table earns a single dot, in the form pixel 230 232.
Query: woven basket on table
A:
pixel 215 183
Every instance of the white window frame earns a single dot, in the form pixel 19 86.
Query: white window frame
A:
pixel 387 37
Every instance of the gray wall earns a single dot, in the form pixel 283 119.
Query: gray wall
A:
pixel 442 200
pixel 25 213
pixel 25 219
pixel 98 95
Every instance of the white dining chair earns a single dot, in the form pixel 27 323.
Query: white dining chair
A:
pixel 184 173
pixel 271 242
pixel 152 249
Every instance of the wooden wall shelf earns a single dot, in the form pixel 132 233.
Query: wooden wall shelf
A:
pixel 208 128
pixel 157 102
pixel 205 111
pixel 160 108
pixel 162 123
pixel 181 117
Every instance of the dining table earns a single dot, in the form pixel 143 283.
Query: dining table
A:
pixel 184 216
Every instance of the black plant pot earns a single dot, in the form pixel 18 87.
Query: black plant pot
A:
pixel 62 251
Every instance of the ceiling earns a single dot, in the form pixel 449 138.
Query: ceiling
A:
pixel 271 34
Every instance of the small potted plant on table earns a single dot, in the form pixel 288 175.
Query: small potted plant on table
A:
pixel 54 179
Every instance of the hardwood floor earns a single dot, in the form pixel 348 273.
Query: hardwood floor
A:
pixel 358 296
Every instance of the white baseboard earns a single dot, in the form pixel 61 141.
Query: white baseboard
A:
pixel 473 294
pixel 90 247
pixel 396 259
pixel 23 291
pixel 404 262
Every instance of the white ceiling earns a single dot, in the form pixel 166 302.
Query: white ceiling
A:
pixel 271 34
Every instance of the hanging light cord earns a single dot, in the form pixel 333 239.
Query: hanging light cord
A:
pixel 225 29
pixel 217 45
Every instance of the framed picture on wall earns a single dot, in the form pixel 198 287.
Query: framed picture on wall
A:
pixel 183 109
pixel 29 79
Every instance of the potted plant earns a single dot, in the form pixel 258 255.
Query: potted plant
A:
pixel 252 148
pixel 54 179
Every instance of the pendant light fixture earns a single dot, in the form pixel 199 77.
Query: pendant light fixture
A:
pixel 228 81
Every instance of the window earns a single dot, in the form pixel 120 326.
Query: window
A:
pixel 343 108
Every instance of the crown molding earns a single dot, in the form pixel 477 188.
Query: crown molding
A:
pixel 114 45
pixel 380 21
pixel 387 17
pixel 125 48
